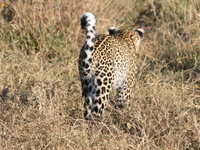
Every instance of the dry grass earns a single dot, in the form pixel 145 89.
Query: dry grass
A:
pixel 40 94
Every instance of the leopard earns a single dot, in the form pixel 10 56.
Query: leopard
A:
pixel 107 63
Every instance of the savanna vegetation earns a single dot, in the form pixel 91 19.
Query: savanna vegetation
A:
pixel 40 91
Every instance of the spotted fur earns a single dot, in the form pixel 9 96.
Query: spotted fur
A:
pixel 107 62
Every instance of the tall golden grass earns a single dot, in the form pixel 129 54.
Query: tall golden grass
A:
pixel 40 92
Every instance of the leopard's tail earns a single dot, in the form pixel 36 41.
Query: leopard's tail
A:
pixel 87 22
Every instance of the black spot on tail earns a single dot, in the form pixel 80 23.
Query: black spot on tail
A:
pixel 90 60
pixel 93 27
pixel 88 37
pixel 83 22
pixel 91 48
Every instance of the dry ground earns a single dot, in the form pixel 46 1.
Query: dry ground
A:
pixel 40 93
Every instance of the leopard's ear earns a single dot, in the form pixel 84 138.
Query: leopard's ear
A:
pixel 111 30
pixel 140 31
